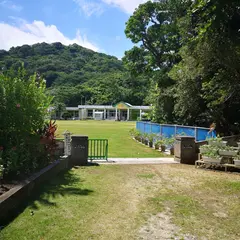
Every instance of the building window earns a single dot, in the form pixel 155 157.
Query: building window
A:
pixel 90 113
pixel 112 113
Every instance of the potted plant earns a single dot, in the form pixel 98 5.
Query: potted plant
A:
pixel 217 142
pixel 142 137
pixel 157 144
pixel 137 135
pixel 204 148
pixel 170 143
pixel 211 156
pixel 237 160
pixel 162 143
pixel 145 138
pixel 151 138
pixel 228 151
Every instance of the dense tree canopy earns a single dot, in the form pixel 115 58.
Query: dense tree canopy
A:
pixel 153 27
pixel 191 52
pixel 211 50
pixel 76 75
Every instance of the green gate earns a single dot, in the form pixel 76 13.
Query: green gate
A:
pixel 98 149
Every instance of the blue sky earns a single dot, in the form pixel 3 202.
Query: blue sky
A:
pixel 95 24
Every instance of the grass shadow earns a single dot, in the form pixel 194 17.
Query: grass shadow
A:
pixel 65 183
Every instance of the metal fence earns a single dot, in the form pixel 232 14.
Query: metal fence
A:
pixel 97 149
pixel 168 131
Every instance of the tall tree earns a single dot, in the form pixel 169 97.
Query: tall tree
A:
pixel 153 28
pixel 212 45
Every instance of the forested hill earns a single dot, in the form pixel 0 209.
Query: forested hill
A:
pixel 75 74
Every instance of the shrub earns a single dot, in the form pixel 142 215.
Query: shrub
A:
pixel 23 108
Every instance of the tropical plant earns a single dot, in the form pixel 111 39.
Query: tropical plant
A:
pixel 24 105
pixel 145 138
pixel 170 141
pixel 48 138
pixel 151 137
pixel 157 144
pixel 138 135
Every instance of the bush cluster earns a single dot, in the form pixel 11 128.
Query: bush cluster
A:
pixel 23 108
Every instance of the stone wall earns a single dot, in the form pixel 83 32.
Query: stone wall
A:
pixel 15 197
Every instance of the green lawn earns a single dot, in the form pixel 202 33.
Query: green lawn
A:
pixel 132 202
pixel 120 142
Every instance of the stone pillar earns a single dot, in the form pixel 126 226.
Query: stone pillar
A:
pixel 83 114
pixel 93 113
pixel 104 114
pixel 67 143
pixel 79 150
pixel 116 115
pixel 140 114
pixel 79 114
pixel 128 114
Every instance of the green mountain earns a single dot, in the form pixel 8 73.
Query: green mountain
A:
pixel 76 75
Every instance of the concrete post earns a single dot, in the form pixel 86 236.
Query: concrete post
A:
pixel 83 111
pixel 140 114
pixel 116 115
pixel 104 114
pixel 80 114
pixel 128 114
pixel 79 150
pixel 67 143
pixel 93 113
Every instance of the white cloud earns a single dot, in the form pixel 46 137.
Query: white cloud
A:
pixel 11 5
pixel 95 7
pixel 127 6
pixel 90 8
pixel 36 32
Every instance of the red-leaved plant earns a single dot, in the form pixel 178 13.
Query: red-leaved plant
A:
pixel 48 137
